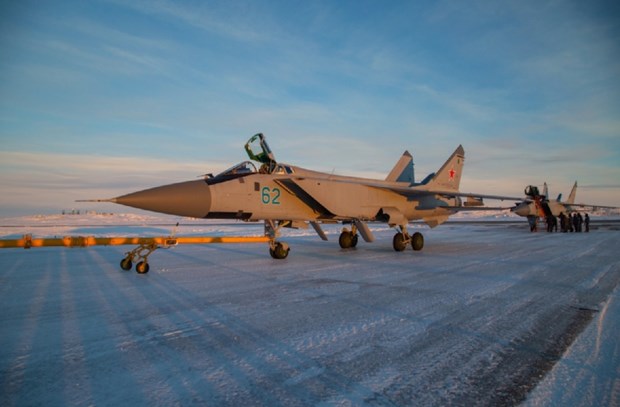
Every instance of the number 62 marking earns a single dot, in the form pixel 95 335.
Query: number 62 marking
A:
pixel 270 196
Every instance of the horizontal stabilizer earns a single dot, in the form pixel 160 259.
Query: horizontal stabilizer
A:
pixel 434 221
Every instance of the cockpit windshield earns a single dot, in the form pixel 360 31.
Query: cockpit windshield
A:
pixel 246 167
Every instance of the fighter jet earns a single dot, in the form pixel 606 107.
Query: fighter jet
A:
pixel 283 195
pixel 538 205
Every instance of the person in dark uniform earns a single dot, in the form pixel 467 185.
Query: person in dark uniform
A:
pixel 563 227
pixel 587 222
pixel 532 221
pixel 575 222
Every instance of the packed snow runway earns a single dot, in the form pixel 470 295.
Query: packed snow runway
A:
pixel 485 314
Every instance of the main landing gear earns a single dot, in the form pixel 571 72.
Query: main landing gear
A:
pixel 402 239
pixel 348 239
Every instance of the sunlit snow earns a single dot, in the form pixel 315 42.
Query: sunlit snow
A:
pixel 486 314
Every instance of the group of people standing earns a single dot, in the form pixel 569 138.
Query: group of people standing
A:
pixel 569 223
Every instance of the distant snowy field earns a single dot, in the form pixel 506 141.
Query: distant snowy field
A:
pixel 486 314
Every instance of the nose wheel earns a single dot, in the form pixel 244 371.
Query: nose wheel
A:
pixel 142 267
pixel 279 250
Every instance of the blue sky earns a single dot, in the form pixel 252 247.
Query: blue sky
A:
pixel 102 98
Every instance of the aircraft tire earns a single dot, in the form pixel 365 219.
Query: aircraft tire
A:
pixel 399 242
pixel 126 264
pixel 280 251
pixel 347 240
pixel 142 267
pixel 417 241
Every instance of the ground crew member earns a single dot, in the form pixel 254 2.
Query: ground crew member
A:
pixel 563 227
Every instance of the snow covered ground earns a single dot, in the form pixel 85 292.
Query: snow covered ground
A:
pixel 486 314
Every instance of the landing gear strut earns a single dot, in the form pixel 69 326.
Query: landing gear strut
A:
pixel 402 239
pixel 277 250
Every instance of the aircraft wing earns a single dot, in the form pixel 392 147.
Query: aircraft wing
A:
pixel 584 206
pixel 466 208
pixel 474 201
pixel 589 206
pixel 421 190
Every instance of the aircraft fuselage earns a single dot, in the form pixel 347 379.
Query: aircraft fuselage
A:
pixel 256 196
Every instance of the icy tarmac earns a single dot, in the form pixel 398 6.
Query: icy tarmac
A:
pixel 486 314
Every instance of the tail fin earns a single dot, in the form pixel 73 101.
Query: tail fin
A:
pixel 573 193
pixel 403 170
pixel 448 177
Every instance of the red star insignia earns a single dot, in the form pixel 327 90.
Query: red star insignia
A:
pixel 452 173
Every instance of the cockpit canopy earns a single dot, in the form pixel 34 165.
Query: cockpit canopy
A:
pixel 257 150
pixel 248 167
pixel 245 167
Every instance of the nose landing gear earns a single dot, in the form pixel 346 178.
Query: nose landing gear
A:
pixel 140 253
pixel 277 250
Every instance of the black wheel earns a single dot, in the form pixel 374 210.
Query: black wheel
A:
pixel 417 241
pixel 280 251
pixel 399 242
pixel 142 267
pixel 126 264
pixel 354 240
pixel 346 240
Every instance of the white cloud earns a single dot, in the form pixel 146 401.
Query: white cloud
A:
pixel 57 180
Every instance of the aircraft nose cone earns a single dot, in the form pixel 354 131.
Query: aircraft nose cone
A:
pixel 522 209
pixel 191 199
